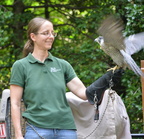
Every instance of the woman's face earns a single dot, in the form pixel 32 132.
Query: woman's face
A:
pixel 44 38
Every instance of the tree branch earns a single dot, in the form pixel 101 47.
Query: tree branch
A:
pixel 3 47
pixel 2 67
pixel 56 5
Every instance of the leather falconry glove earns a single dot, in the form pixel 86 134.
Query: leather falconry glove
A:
pixel 100 85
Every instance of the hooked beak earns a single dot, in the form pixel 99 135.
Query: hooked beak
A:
pixel 96 40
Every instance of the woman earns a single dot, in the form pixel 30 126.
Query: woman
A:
pixel 41 79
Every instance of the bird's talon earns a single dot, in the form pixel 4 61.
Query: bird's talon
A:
pixel 113 69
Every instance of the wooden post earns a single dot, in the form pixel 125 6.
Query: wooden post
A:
pixel 142 82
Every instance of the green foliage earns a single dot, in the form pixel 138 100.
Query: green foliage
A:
pixel 76 23
pixel 135 19
pixel 134 109
pixel 5 17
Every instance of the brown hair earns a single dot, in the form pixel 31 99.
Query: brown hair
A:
pixel 33 27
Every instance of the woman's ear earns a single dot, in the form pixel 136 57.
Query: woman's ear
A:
pixel 33 36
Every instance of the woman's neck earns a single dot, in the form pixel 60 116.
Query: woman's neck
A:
pixel 40 55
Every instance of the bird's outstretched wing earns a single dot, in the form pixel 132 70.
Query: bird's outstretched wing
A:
pixel 119 48
pixel 111 30
pixel 134 43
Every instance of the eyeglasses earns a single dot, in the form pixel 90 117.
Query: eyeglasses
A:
pixel 48 33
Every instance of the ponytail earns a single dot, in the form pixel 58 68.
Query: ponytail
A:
pixel 28 48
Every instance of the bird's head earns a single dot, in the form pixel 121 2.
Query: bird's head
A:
pixel 99 40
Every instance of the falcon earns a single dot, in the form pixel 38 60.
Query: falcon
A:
pixel 118 47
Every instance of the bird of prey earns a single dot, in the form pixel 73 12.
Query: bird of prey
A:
pixel 118 47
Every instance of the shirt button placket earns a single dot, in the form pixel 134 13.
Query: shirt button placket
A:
pixel 44 68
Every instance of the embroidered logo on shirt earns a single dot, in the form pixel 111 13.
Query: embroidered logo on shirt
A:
pixel 53 69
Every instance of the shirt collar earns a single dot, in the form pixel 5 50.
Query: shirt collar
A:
pixel 31 59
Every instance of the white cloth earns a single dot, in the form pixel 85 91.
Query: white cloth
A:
pixel 113 120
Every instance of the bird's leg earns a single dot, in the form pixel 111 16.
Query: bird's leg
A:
pixel 114 68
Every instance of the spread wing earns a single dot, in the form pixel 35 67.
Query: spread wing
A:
pixel 134 43
pixel 111 30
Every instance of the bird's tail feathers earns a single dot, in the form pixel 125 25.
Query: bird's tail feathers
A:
pixel 132 64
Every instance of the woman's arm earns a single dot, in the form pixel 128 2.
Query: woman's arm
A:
pixel 77 87
pixel 16 95
pixel 97 87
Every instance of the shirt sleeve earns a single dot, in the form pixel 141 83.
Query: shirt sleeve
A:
pixel 17 74
pixel 69 72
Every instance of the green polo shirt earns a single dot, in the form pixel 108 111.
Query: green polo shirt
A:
pixel 44 91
